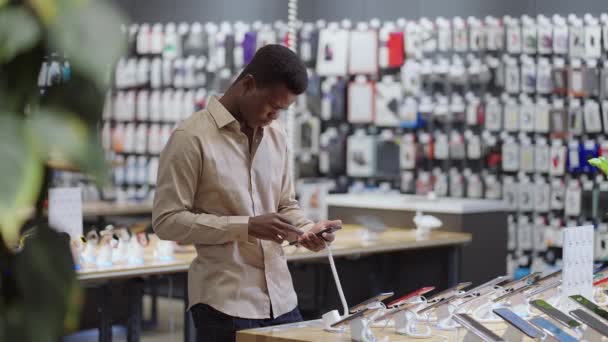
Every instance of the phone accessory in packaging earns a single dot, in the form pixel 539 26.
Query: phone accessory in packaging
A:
pixel 545 35
pixel 589 150
pixel 361 156
pixel 593 39
pixel 559 121
pixel 526 155
pixel 510 155
pixel 152 170
pixel 460 35
pixel 457 109
pixel 560 35
pixel 510 189
pixel 413 40
pixel 154 139
pixel 408 182
pixel 541 118
pixel 408 152
pixel 332 55
pixel 526 114
pixel 544 82
pixel 165 134
pixel 524 233
pixel 574 153
pixel 129 140
pixel 573 198
pixel 605 115
pixel 141 171
pixel 441 150
pixel 514 39
pixel 332 155
pixel 190 73
pixel 388 106
pixel 131 171
pixel 577 39
pixel 542 195
pixel 511 115
pixel 157 38
pixel 411 77
pixel 195 42
pixel 558 194
pixel 428 33
pixel 473 143
pixel 444 34
pixel 575 117
pixel 528 75
pixel 493 188
pixel 511 233
pixel 457 146
pixel 189 105
pixel 363 51
pixel 493 119
pixel 141 138
pixel 530 35
pixel 592 78
pixel 387 155
pixel 129 106
pixel 440 184
pixel 410 118
pixel 542 156
pixel 333 106
pixel 361 97
pixel 476 34
pixel 424 183
pixel 456 183
pixel 472 110
pixel 143 39
pixel 106 136
pixel 474 186
pixel 494 34
pixel 308 129
pixel 512 75
pixel 604 82
pixel 593 119
pixel 143 72
pixel 559 75
pixel 558 158
pixel 167 102
pixel 314 94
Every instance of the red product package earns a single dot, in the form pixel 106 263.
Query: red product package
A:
pixel 395 49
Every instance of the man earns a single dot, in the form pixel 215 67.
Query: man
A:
pixel 224 186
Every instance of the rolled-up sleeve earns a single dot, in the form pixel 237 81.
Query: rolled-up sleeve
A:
pixel 180 169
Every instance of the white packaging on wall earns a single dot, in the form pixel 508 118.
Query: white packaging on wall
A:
pixel 593 40
pixel 558 194
pixel 361 157
pixel 154 139
pixel 361 95
pixel 363 51
pixel 444 34
pixel 541 121
pixel 526 155
pixel 510 189
pixel 573 198
pixel 413 40
pixel 577 40
pixel 510 155
pixel 511 115
pixel 141 138
pixel 558 158
pixel 514 39
pixel 493 119
pixel 524 233
pixel 529 33
pixel 332 55
pixel 560 35
pixel 411 78
pixel 143 39
pixel 460 35
pixel 157 39
pixel 542 156
pixel 167 105
pixel 408 152
pixel 528 75
pixel 526 114
pixel 593 120
pixel 477 37
pixel 542 196
pixel 545 35
pixel 388 98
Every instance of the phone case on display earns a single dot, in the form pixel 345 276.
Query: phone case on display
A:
pixel 474 187
pixel 361 99
pixel 476 38
pixel 528 77
pixel 493 119
pixel 156 72
pixel 510 156
pixel 577 82
pixel 167 105
pixel 605 115
pixel 593 41
pixel 141 171
pixel 229 46
pixel 309 38
pixel 593 119
pixel 493 188
pixel 332 55
pixel 143 109
pixel 560 39
pixel 558 160
pixel 141 138
pixel 525 196
pixel 526 117
pixel 165 134
pixel 408 153
pixel 530 39
pixel 444 37
pixel 154 139
pixel 577 42
pixel 524 234
pixel 460 36
pixel 590 150
pixel 456 184
pixel 119 172
pixel 363 52
pixel 361 155
pixel 307 166
pixel 573 199
pixel 575 120
pixel 457 146
pixel 560 81
pixel 592 81
pixel 544 82
pixel 152 170
pixel 542 196
pixel 604 82
pixel 440 186
pixel 545 39
pixel 514 39
pixel 395 49
pixel 512 78
pixel 332 156
pixel 131 170
pixel 542 158
pixel 249 46
pixel 172 42
pixel 559 122
pixel 473 147
pixel 190 72
pixel 541 118
pixel 413 40
pixel 410 118
pixel 407 182
pixel 195 42
pixel 313 93
pixel 167 72
pixel 387 158
pixel 472 111
pixel 511 116
pixel 526 158
pixel 441 147
pixel 143 72
pixel 511 233
pixel 388 97
pixel 558 194
pixel 511 193
pixel 143 39
pixel 411 77
pixel 308 129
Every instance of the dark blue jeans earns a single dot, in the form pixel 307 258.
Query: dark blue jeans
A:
pixel 215 326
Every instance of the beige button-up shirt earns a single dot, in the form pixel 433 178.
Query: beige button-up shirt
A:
pixel 209 185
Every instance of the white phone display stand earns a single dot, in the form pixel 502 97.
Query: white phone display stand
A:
pixel 373 227
pixel 512 334
pixel 424 225
pixel 136 252
pixel 330 318
pixel 444 317
pixel 104 256
pixel 89 254
pixel 600 296
pixel 121 251
pixel 470 337
pixel 590 335
pixel 164 250
pixel 406 323
pixel 484 314
pixel 360 329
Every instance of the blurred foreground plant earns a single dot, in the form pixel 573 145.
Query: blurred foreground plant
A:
pixel 39 293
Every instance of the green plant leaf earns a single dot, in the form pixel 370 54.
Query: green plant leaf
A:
pixel 21 172
pixel 56 133
pixel 89 34
pixel 19 32
pixel 601 163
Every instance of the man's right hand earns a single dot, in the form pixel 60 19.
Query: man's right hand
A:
pixel 273 227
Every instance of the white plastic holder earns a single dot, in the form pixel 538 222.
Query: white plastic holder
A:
pixel 89 253
pixel 513 334
pixel 104 256
pixel 121 251
pixel 406 323
pixel 444 318
pixel 484 313
pixel 330 318
pixel 424 225
pixel 164 250
pixel 360 330
pixel 470 337
pixel 590 335
pixel 136 253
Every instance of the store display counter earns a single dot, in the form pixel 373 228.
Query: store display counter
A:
pixel 486 220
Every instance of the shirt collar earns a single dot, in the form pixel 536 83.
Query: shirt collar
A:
pixel 220 114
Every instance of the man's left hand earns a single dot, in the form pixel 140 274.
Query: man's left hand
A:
pixel 316 243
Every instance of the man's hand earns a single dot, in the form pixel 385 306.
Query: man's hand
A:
pixel 273 227
pixel 315 243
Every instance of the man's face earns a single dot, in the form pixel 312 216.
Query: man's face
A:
pixel 261 106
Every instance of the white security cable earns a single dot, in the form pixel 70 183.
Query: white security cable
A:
pixel 336 279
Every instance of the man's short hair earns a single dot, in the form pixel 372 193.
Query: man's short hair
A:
pixel 276 64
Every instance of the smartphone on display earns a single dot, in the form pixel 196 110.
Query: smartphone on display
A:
pixel 435 305
pixel 347 319
pixel 448 292
pixel 485 285
pixel 554 313
pixel 592 322
pixel 591 306
pixel 514 292
pixel 416 293
pixel 517 322
pixel 530 278
pixel 549 276
pixel 377 298
pixel 331 229
pixel 543 288
pixel 552 329
pixel 601 282
pixel 476 328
